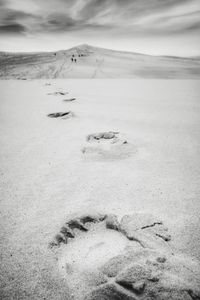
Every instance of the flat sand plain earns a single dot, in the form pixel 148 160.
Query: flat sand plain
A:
pixel 46 176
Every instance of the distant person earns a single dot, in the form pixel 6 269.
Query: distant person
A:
pixel 72 59
pixel 72 55
pixel 75 60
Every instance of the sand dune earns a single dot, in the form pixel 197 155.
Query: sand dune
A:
pixel 92 62
pixel 104 204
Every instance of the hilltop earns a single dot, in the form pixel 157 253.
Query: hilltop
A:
pixel 85 61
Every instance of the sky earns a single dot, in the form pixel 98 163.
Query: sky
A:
pixel 156 27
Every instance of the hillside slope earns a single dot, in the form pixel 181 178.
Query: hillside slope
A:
pixel 90 62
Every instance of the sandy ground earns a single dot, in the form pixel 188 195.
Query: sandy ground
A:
pixel 45 176
pixel 94 62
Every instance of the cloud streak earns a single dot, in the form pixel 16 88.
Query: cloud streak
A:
pixel 132 15
pixel 62 23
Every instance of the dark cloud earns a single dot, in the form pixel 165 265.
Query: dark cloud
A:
pixel 10 15
pixel 12 28
pixel 13 21
pixel 193 27
pixel 2 3
pixel 60 22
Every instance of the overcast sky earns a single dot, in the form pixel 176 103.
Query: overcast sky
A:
pixel 170 27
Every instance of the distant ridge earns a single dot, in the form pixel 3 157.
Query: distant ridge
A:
pixel 85 61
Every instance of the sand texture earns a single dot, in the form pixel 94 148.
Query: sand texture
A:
pixel 100 189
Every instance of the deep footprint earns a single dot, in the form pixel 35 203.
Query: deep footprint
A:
pixel 123 259
pixel 67 230
pixel 69 100
pixel 58 93
pixel 60 114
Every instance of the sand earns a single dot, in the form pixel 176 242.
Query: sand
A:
pixel 45 175
pixel 94 62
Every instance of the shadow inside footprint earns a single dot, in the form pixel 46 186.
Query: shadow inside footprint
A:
pixel 124 259
pixel 60 114
pixel 69 100
pixel 58 93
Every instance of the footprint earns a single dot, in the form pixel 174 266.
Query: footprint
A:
pixel 58 93
pixel 69 100
pixel 107 145
pixel 103 136
pixel 102 258
pixel 67 114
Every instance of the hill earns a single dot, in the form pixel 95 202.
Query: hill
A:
pixel 85 61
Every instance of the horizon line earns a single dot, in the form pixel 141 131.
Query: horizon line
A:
pixel 114 50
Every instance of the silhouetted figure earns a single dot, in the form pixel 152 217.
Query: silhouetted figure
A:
pixel 72 55
pixel 75 60
pixel 72 59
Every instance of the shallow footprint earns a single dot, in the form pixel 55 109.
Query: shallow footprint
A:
pixel 108 145
pixel 102 258
pixel 63 115
pixel 110 135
